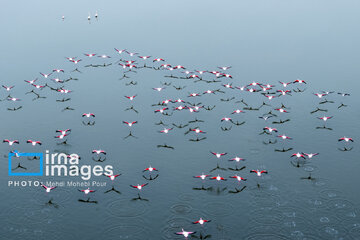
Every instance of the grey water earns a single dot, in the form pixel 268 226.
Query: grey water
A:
pixel 263 41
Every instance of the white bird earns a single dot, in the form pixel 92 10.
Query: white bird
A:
pixel 86 191
pixel 184 233
pixel 48 189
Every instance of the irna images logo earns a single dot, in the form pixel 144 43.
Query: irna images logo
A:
pixel 18 154
pixel 60 164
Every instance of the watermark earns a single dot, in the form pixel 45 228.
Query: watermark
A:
pixel 35 183
pixel 17 154
pixel 61 164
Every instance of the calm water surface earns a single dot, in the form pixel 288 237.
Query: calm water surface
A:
pixel 263 41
